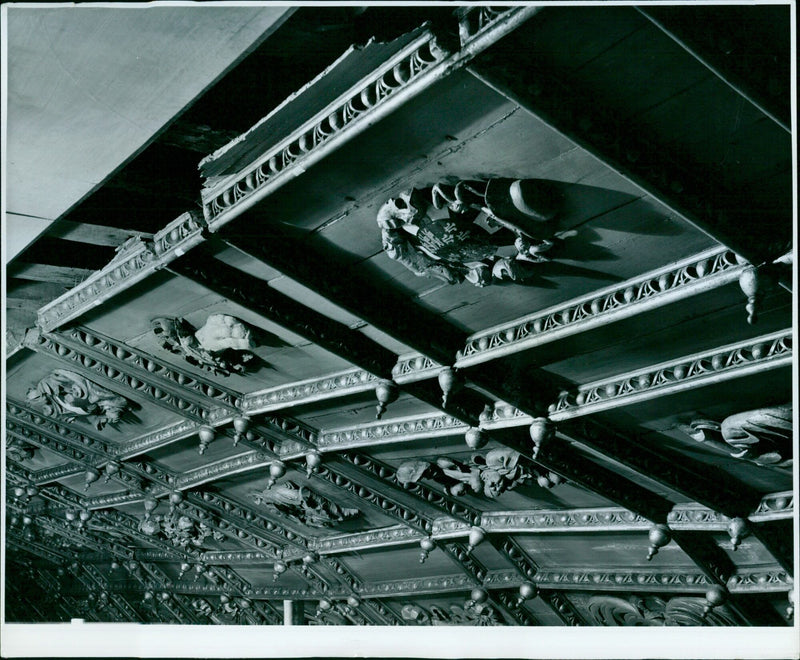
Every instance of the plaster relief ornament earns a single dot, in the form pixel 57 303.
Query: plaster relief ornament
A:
pixel 481 232
pixel 478 614
pixel 652 611
pixel 68 396
pixel 224 345
pixel 19 451
pixel 492 474
pixel 303 505
pixel 179 530
pixel 763 436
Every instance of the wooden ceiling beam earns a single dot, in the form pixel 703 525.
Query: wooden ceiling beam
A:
pixel 749 78
pixel 743 358
pixel 723 214
pixel 68 276
pixel 414 327
pixel 510 550
pixel 461 556
pixel 84 232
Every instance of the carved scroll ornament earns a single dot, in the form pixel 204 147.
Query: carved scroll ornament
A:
pixel 475 231
pixel 492 474
pixel 652 611
pixel 67 396
pixel 303 505
pixel 763 436
pixel 224 344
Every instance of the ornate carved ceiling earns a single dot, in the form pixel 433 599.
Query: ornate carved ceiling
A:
pixel 443 342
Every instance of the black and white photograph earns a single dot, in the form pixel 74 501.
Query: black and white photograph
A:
pixel 365 316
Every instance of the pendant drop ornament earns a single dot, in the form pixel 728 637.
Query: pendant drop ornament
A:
pixel 450 383
pixel 476 536
pixel 527 591
pixel 206 435
pixel 386 392
pixel 751 287
pixel 476 438
pixel 658 536
pixel 276 471
pixel 426 545
pixel 738 530
pixel 90 477
pixel 240 426
pixel 715 596
pixel 541 431
pixel 313 461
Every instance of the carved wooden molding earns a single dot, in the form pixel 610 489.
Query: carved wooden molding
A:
pixel 380 538
pixel 135 260
pixel 760 581
pixel 344 383
pixel 157 439
pixel 95 366
pixel 414 367
pixel 249 524
pixel 14 538
pixel 225 467
pixel 409 368
pixel 446 504
pixel 390 85
pixel 117 363
pixel 385 503
pixel 775 506
pixel 406 429
pixel 732 361
pixel 771 581
pixel 65 433
pixel 702 272
pixel 337 120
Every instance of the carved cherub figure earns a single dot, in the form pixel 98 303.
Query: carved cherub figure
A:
pixel 763 436
pixel 67 395
pixel 224 344
pixel 475 231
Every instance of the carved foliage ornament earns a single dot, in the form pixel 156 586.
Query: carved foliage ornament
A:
pixel 67 396
pixel 19 451
pixel 491 474
pixel 763 436
pixel 479 614
pixel 303 505
pixel 180 530
pixel 475 231
pixel 224 344
pixel 651 611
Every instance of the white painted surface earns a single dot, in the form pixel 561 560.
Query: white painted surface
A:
pixel 88 87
